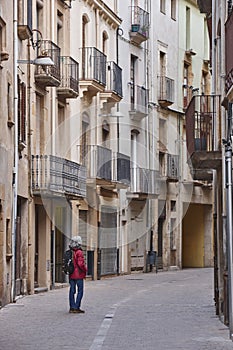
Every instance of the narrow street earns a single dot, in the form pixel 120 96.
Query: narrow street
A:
pixel 164 311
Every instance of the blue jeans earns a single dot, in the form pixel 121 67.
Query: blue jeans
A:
pixel 75 304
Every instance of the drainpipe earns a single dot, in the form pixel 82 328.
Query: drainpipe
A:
pixel 228 160
pixel 53 126
pixel 15 167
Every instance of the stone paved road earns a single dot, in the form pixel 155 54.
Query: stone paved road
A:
pixel 165 311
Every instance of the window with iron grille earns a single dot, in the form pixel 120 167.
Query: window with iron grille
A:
pixel 21 111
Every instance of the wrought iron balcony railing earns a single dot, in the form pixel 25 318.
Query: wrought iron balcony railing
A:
pixel 93 65
pixel 145 181
pixel 165 91
pixel 139 24
pixel 69 86
pixel 59 176
pixel 121 168
pixel 173 167
pixel 139 101
pixel 229 53
pixel 201 119
pixel 97 160
pixel 102 163
pixel 48 75
pixel 114 78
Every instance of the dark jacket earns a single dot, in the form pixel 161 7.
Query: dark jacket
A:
pixel 80 269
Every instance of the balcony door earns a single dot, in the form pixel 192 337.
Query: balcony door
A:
pixel 108 240
pixel 133 63
pixel 84 35
pixel 134 156
pixel 85 139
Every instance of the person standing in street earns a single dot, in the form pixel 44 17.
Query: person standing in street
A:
pixel 76 279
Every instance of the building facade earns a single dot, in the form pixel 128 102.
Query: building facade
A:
pixel 94 142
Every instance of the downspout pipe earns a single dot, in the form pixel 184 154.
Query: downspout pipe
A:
pixel 15 166
pixel 228 160
pixel 53 127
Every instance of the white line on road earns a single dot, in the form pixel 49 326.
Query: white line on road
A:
pixel 105 325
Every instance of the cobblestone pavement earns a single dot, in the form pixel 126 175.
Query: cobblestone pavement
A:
pixel 164 311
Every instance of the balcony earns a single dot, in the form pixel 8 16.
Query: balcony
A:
pixel 202 116
pixel 229 56
pixel 98 161
pixel 205 6
pixel 48 75
pixel 169 169
pixel 165 91
pixel 144 184
pixel 69 87
pixel 113 91
pixel 139 31
pixel 93 71
pixel 121 170
pixel 53 176
pixel 104 167
pixel 139 102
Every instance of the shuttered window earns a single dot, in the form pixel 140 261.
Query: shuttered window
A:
pixel 21 112
pixel 108 240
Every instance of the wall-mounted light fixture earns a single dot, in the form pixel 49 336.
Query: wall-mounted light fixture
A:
pixel 40 60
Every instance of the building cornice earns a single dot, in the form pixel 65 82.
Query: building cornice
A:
pixel 105 12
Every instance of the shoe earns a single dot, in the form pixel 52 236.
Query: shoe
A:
pixel 79 311
pixel 72 311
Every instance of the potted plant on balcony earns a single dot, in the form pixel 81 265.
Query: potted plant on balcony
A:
pixel 135 27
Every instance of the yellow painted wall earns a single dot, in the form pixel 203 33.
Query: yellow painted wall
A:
pixel 193 237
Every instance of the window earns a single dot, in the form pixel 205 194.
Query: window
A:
pixel 105 132
pixel 85 139
pixel 163 132
pixel 60 33
pixel 3 54
pixel 133 61
pixel 173 9
pixel 21 112
pixel 163 6
pixel 10 120
pixel 104 42
pixel 187 91
pixel 84 35
pixel 162 63
pixel 188 28
pixel 172 234
pixel 8 238
pixel 204 83
pixel 173 205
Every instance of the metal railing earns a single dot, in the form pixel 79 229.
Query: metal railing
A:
pixel 98 161
pixel 165 89
pixel 229 50
pixel 93 65
pixel 173 166
pixel 144 181
pixel 114 78
pixel 139 99
pixel 201 117
pixel 69 73
pixel 48 48
pixel 58 175
pixel 121 168
pixel 140 21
